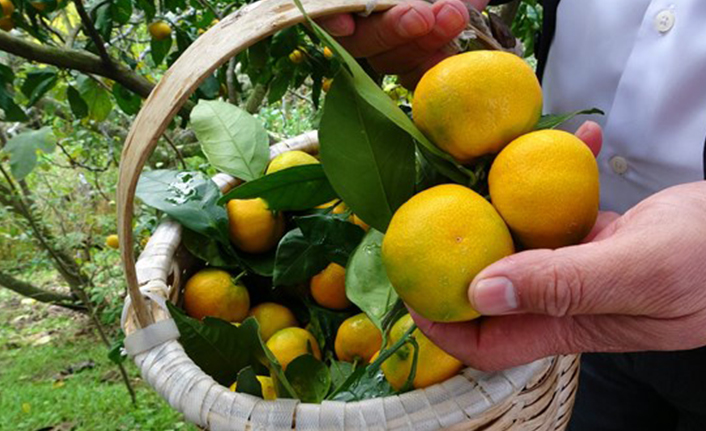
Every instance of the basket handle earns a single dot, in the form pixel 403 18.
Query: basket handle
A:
pixel 226 39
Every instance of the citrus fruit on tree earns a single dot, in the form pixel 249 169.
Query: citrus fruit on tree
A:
pixel 328 288
pixel 267 385
pixel 328 54
pixel 326 84
pixel 289 343
pixel 253 227
pixel 7 7
pixel 272 317
pixel 112 241
pixel 475 103
pixel 40 6
pixel 546 186
pixel 159 30
pixel 435 245
pixel 214 293
pixel 357 339
pixel 296 56
pixel 289 159
pixel 433 364
pixel 6 23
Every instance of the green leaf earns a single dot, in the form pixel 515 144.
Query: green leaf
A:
pixel 281 82
pixel 160 49
pixel 340 372
pixel 375 97
pixel 310 378
pixel 188 197
pixel 117 353
pixel 363 385
pixel 336 235
pixel 12 111
pixel 128 101
pixel 368 159
pixel 324 324
pixel 103 20
pixel 221 349
pixel 210 88
pixel 79 107
pixel 97 98
pixel 37 83
pixel 209 250
pixel 121 11
pixel 261 264
pixel 552 121
pixel 294 189
pixel 247 382
pixel 367 285
pixel 7 76
pixel 148 7
pixel 233 141
pixel 24 147
pixel 297 259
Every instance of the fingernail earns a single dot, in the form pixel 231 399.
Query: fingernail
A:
pixel 412 24
pixel 450 20
pixel 585 127
pixel 494 296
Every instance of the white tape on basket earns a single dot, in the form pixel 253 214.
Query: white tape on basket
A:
pixel 369 8
pixel 152 336
pixel 155 290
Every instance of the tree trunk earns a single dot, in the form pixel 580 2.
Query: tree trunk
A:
pixel 45 296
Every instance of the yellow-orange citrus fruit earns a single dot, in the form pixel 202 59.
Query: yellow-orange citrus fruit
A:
pixel 7 8
pixel 160 30
pixel 272 317
pixel 435 245
pixel 326 85
pixel 475 103
pixel 329 287
pixel 339 208
pixel 433 364
pixel 112 241
pixel 296 56
pixel 328 54
pixel 357 338
pixel 268 387
pixel 356 220
pixel 289 159
pixel 212 292
pixel 290 343
pixel 253 227
pixel 545 185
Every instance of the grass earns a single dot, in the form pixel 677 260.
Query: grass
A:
pixel 39 345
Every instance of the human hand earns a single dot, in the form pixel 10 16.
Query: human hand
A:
pixel 639 283
pixel 406 40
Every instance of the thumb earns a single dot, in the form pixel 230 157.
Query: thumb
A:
pixel 583 279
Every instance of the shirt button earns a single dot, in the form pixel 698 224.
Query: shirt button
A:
pixel 619 165
pixel 664 21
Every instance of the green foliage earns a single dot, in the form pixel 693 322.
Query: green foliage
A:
pixel 552 121
pixel 24 147
pixel 527 24
pixel 96 97
pixel 297 188
pixel 310 378
pixel 232 140
pixel 367 285
pixel 37 83
pixel 247 382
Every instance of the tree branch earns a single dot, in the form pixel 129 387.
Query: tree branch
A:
pixel 30 291
pixel 94 35
pixel 75 59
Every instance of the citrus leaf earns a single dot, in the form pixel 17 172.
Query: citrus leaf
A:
pixel 24 147
pixel 247 383
pixel 233 141
pixel 96 97
pixel 297 259
pixel 160 49
pixel 128 101
pixel 310 378
pixel 553 121
pixel 367 285
pixel 337 236
pixel 37 83
pixel 121 11
pixel 215 253
pixel 188 197
pixel 340 371
pixel 324 324
pixel 12 111
pixel 79 107
pixel 294 189
pixel 368 159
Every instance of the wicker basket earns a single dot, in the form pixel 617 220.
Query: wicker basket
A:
pixel 537 396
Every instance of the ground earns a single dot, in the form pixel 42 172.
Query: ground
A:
pixel 55 375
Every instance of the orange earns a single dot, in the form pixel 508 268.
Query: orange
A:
pixel 112 241
pixel 475 103
pixel 7 8
pixel 546 186
pixel 296 56
pixel 357 338
pixel 329 287
pixel 272 317
pixel 289 159
pixel 267 386
pixel 326 85
pixel 253 227
pixel 435 245
pixel 290 343
pixel 160 30
pixel 433 364
pixel 328 54
pixel 213 292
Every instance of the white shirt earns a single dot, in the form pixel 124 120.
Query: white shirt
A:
pixel 644 64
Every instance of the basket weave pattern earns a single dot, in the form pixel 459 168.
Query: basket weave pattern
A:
pixel 533 397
